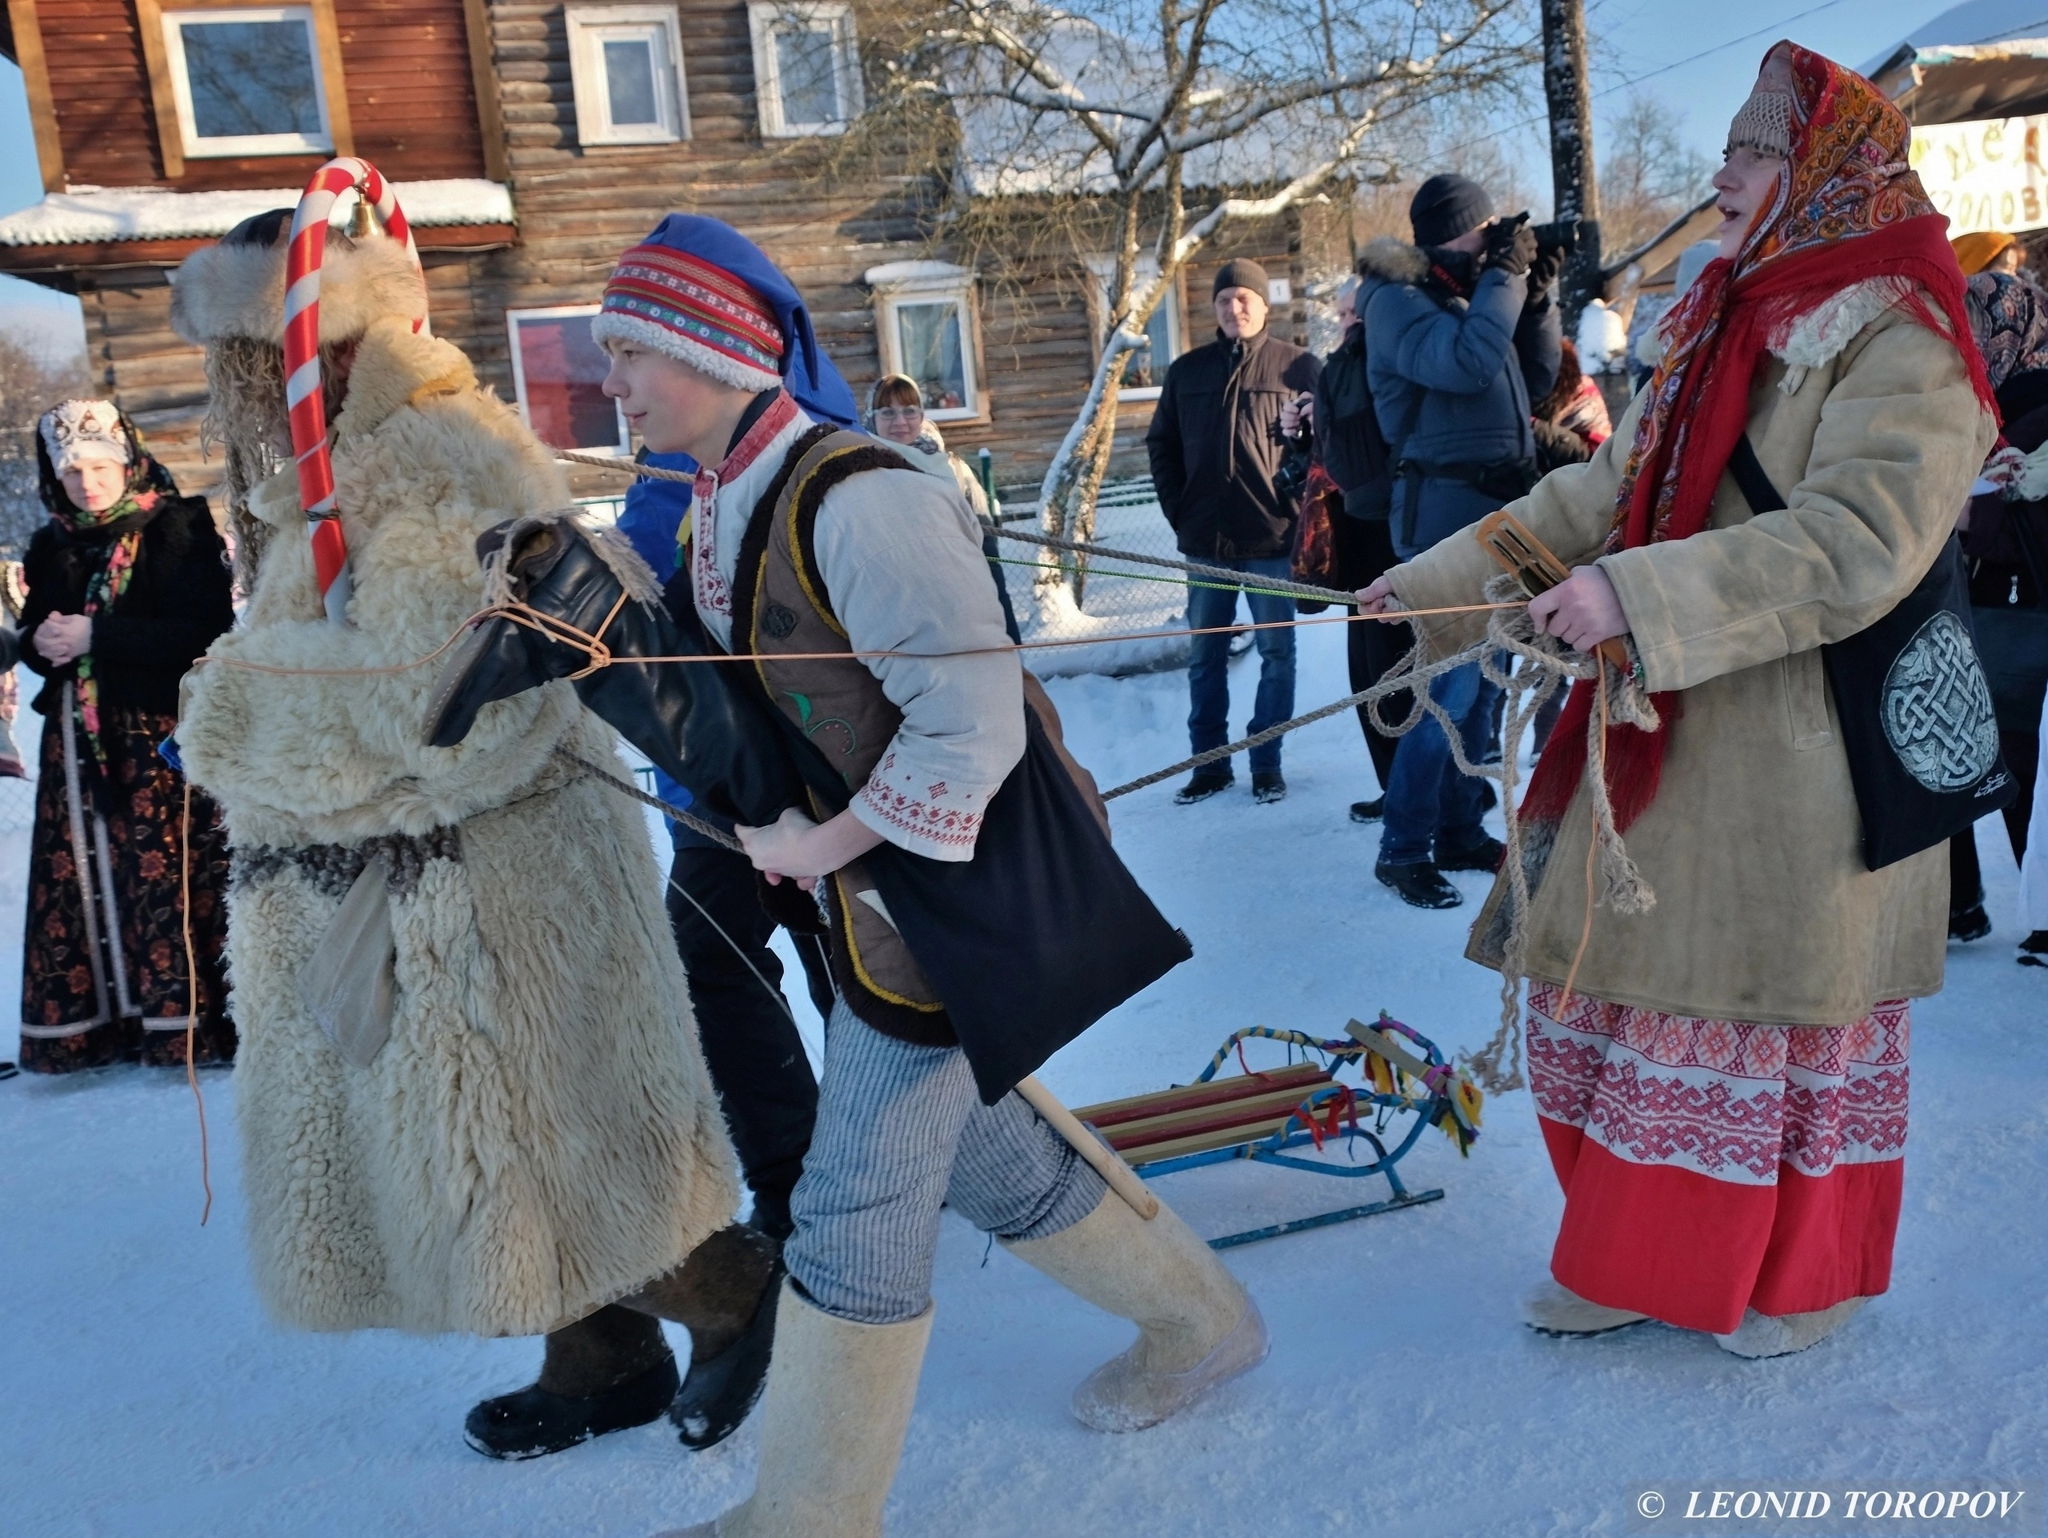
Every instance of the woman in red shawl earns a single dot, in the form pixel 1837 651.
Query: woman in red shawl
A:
pixel 1723 1088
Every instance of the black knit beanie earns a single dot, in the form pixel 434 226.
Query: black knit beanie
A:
pixel 1447 206
pixel 1241 272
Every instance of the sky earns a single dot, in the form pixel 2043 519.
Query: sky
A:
pixel 1653 42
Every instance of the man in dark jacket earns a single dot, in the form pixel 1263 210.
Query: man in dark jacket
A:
pixel 1460 336
pixel 1216 450
pixel 1343 433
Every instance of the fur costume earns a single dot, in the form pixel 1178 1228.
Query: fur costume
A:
pixel 538 1135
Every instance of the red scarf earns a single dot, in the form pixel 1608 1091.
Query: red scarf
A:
pixel 1847 210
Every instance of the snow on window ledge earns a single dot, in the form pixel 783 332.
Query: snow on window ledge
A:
pixel 86 215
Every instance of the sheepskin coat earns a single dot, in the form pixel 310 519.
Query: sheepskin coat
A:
pixel 1765 911
pixel 538 1136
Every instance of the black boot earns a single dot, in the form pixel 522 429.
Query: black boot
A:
pixel 1368 811
pixel 721 1389
pixel 606 1372
pixel 1268 786
pixel 701 729
pixel 1420 885
pixel 724 1294
pixel 1204 783
pixel 1967 924
pixel 1484 855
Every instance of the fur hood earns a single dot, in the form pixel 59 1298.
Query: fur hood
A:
pixel 1388 260
pixel 238 290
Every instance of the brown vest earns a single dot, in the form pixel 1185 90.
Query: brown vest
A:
pixel 782 609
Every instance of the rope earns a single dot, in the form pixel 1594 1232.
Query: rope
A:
pixel 1049 541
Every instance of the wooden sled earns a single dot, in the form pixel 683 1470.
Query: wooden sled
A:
pixel 1383 1086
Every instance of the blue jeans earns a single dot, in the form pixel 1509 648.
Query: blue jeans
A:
pixel 1209 659
pixel 1431 806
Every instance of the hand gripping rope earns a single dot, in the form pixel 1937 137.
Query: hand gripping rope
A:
pixel 303 385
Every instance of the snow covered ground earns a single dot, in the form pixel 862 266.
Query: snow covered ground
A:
pixel 145 1394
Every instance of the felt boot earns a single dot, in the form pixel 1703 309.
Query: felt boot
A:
pixel 1554 1309
pixel 1762 1335
pixel 1197 1327
pixel 724 1294
pixel 606 1372
pixel 832 1427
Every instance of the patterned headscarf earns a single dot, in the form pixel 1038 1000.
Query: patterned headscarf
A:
pixel 2010 319
pixel 1846 209
pixel 112 537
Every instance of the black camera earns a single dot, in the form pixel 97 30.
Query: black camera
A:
pixel 1560 235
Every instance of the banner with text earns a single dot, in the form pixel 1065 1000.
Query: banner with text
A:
pixel 1987 175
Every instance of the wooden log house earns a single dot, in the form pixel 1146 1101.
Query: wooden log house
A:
pixel 531 141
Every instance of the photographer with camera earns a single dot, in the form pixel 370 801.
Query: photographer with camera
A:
pixel 1461 334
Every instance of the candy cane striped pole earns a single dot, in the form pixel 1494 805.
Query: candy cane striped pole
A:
pixel 303 393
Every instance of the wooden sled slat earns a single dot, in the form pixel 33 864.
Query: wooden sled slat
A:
pixel 1187 1097
pixel 1237 1114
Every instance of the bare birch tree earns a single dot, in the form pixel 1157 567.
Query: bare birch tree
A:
pixel 1146 128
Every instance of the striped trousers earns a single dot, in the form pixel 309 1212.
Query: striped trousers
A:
pixel 901 1133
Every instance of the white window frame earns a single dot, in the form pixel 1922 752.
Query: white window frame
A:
pixel 197 148
pixel 940 285
pixel 1102 269
pixel 624 445
pixel 763 19
pixel 659 26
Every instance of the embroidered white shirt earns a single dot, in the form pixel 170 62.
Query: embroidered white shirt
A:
pixel 900 555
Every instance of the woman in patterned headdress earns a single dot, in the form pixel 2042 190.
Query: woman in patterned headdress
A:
pixel 1723 1092
pixel 128 584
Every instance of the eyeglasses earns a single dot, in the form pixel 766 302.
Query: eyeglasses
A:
pixel 898 413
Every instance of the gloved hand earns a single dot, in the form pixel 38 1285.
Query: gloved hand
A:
pixel 1544 270
pixel 1511 246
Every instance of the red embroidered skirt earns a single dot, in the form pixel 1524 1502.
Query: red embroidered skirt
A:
pixel 1715 1165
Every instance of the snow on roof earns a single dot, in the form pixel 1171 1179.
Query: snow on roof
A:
pixel 892 274
pixel 1976 29
pixel 93 214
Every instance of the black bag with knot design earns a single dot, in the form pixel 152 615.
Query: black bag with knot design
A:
pixel 1912 703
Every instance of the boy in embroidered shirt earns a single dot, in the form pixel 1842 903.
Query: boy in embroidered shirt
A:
pixel 805 541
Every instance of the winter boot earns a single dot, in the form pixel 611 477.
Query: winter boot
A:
pixel 1554 1309
pixel 1419 884
pixel 1268 786
pixel 832 1427
pixel 724 1294
pixel 1762 1335
pixel 1484 855
pixel 1369 811
pixel 1211 780
pixel 1197 1327
pixel 606 1372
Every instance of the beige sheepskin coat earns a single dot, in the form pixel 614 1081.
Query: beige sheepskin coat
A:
pixel 1765 910
pixel 539 1135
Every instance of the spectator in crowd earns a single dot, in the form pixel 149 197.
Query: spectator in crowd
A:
pixel 2001 537
pixel 1216 449
pixel 1988 251
pixel 128 584
pixel 896 412
pixel 1461 335
pixel 2005 550
pixel 1340 430
pixel 1571 421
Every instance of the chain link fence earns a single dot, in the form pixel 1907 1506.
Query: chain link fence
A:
pixel 1109 609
